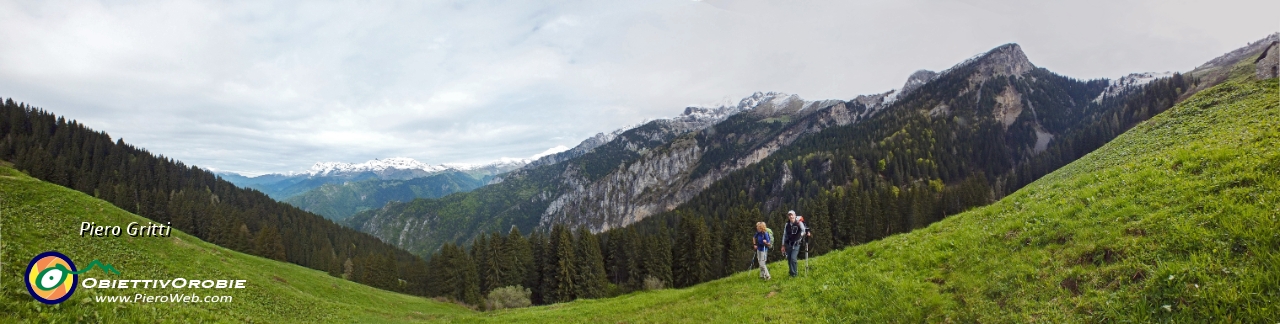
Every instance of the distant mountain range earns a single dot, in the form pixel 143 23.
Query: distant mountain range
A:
pixel 369 184
pixel 338 201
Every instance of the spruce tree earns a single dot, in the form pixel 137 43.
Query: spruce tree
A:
pixel 692 252
pixel 459 279
pixel 519 259
pixel 590 281
pixel 534 276
pixel 558 281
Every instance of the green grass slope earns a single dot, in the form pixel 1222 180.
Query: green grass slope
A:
pixel 1174 221
pixel 38 216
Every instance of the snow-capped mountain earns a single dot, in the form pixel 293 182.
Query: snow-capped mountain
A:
pixel 717 113
pixel 1133 80
pixel 285 185
pixel 325 169
pixel 500 163
pixel 875 102
pixel 693 117
pixel 376 165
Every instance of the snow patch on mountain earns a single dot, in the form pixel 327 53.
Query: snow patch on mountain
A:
pixel 322 169
pixel 550 151
pixel 505 162
pixel 709 115
pixel 875 102
pixel 375 165
pixel 1133 80
pixel 890 97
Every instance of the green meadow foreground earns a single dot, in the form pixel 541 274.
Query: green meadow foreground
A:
pixel 39 216
pixel 1175 220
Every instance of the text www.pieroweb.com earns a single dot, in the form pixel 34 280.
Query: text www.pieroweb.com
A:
pixel 171 298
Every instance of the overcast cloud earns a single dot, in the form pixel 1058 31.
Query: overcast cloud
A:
pixel 257 87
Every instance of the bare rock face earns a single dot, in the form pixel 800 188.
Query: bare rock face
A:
pixel 917 79
pixel 1008 106
pixel 1005 60
pixel 663 178
pixel 874 101
pixel 1268 63
pixel 582 148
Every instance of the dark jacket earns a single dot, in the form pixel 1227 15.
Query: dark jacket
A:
pixel 762 241
pixel 793 233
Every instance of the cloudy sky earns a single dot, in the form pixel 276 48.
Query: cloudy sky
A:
pixel 257 87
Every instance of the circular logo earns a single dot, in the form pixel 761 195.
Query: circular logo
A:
pixel 51 277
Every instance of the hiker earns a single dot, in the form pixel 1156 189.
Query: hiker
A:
pixel 762 243
pixel 792 235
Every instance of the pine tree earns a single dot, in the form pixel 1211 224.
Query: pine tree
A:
pixel 534 276
pixel 482 251
pixel 623 258
pixel 458 278
pixel 692 252
pixel 518 261
pixel 739 240
pixel 590 280
pixel 380 271
pixel 268 244
pixel 561 267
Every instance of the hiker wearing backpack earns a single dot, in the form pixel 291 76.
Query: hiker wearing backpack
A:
pixel 763 240
pixel 792 235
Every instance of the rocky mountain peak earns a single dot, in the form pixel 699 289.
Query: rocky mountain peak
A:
pixel 1006 60
pixel 693 117
pixel 917 79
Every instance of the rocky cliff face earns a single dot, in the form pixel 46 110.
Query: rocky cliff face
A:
pixel 582 148
pixel 663 179
pixel 1268 63
pixel 917 79
pixel 1005 60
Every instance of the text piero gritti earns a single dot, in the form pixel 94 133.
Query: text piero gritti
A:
pixel 134 229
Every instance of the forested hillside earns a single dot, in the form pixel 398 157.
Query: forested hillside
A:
pixel 38 216
pixel 337 201
pixel 195 201
pixel 518 199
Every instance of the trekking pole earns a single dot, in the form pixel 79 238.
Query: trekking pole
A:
pixel 806 259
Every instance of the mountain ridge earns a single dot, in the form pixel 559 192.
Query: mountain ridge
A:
pixel 646 179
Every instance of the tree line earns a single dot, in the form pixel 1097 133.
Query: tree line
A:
pixel 65 152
